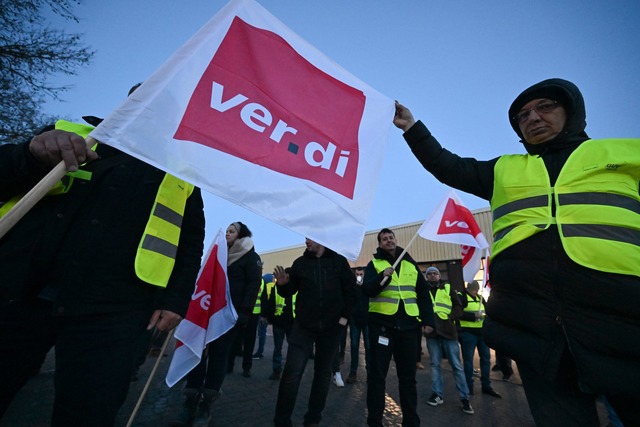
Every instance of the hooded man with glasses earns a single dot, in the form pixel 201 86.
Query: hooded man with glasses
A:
pixel 564 267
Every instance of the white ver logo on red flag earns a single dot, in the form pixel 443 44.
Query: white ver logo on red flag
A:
pixel 452 222
pixel 249 111
pixel 210 313
pixel 268 124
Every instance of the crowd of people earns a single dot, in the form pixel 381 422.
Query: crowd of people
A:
pixel 112 252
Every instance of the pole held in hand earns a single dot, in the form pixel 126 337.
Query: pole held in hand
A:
pixel 35 194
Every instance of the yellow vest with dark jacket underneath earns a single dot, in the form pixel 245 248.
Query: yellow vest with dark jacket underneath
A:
pixel 597 205
pixel 473 306
pixel 281 302
pixel 158 246
pixel 402 287
pixel 442 304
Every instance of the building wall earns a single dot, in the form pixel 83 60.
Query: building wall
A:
pixel 445 256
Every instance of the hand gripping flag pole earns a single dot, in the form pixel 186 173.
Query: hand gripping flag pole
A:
pixel 35 194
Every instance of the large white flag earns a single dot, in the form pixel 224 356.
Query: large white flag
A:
pixel 452 222
pixel 249 111
pixel 210 312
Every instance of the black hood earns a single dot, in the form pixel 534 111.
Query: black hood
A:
pixel 567 94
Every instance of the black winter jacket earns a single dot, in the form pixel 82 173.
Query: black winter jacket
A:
pixel 78 248
pixel 245 277
pixel 326 289
pixel 360 315
pixel 544 308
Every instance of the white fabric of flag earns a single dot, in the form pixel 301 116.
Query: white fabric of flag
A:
pixel 251 112
pixel 210 313
pixel 452 222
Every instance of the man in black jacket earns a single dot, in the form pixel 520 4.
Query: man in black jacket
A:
pixel 325 287
pixel 398 308
pixel 564 269
pixel 71 268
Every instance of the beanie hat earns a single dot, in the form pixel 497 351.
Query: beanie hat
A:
pixel 430 269
pixel 473 286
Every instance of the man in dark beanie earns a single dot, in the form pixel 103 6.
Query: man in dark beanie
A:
pixel 565 256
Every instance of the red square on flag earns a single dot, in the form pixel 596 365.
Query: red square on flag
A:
pixel 458 219
pixel 261 101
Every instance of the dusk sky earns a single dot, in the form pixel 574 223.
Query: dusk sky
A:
pixel 456 64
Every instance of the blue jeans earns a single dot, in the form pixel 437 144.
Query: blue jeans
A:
pixel 279 334
pixel 355 332
pixel 262 336
pixel 436 346
pixel 468 343
pixel 301 343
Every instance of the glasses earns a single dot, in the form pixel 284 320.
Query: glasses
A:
pixel 544 107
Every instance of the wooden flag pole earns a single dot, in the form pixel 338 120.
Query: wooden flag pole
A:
pixel 151 375
pixel 35 194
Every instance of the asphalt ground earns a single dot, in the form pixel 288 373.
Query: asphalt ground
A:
pixel 250 402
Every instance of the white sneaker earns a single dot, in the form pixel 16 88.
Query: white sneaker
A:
pixel 337 379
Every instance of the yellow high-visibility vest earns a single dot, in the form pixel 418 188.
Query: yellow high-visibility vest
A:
pixel 596 200
pixel 442 304
pixel 281 302
pixel 257 308
pixel 158 246
pixel 473 306
pixel 402 287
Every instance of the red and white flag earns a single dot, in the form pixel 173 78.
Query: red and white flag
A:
pixel 249 111
pixel 452 222
pixel 210 313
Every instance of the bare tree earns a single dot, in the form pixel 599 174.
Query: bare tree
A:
pixel 31 53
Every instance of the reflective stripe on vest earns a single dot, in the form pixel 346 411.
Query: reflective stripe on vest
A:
pixel 473 306
pixel 402 287
pixel 442 304
pixel 158 247
pixel 596 198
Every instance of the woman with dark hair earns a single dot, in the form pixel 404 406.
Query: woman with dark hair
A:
pixel 244 271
